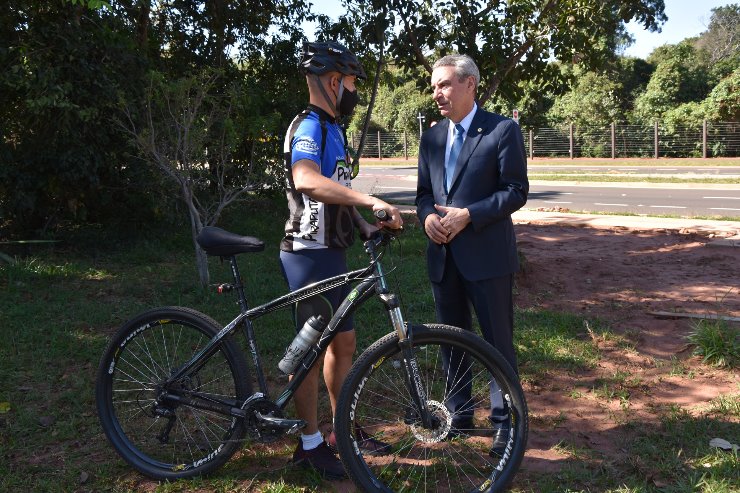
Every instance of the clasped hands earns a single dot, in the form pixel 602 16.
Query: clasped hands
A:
pixel 443 228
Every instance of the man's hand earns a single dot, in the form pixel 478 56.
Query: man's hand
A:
pixel 454 220
pixel 395 220
pixel 434 229
pixel 366 230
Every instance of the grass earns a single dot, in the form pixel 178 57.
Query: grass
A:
pixel 60 303
pixel 580 176
pixel 717 341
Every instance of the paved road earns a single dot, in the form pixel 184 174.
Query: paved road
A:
pixel 398 184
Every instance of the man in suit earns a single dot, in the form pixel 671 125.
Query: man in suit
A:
pixel 472 177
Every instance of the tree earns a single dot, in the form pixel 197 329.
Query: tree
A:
pixel 190 136
pixel 679 78
pixel 721 40
pixel 64 70
pixel 592 102
pixel 510 40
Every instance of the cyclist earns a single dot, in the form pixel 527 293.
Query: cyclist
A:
pixel 320 227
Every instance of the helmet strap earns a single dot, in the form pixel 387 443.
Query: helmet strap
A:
pixel 339 96
pixel 334 105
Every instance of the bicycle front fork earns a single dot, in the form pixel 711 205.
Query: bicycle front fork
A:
pixel 410 366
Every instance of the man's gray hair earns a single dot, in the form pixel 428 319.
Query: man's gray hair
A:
pixel 464 66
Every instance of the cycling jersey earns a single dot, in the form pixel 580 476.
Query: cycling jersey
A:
pixel 314 135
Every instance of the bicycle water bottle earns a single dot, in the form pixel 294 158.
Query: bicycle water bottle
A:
pixel 306 338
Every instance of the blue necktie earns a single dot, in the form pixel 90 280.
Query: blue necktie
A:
pixel 454 152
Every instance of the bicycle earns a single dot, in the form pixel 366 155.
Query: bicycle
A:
pixel 175 398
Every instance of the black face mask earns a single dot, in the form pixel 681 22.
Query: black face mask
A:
pixel 348 102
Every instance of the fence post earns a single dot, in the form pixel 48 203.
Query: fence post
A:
pixel 656 140
pixel 704 138
pixel 614 140
pixel 380 150
pixel 405 147
pixel 531 144
pixel 571 141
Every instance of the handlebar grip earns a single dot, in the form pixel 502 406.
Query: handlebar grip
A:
pixel 381 215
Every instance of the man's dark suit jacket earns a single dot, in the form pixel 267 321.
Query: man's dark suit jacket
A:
pixel 490 179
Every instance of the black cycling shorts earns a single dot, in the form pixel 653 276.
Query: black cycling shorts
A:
pixel 307 266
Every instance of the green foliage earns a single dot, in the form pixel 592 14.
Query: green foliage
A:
pixel 398 103
pixel 721 41
pixel 718 342
pixel 62 159
pixel 592 101
pixel 70 69
pixel 679 77
pixel 510 41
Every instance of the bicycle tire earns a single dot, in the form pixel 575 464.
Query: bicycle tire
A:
pixel 143 352
pixel 376 399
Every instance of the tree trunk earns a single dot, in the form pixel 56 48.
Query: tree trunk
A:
pixel 196 225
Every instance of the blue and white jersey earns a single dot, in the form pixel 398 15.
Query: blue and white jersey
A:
pixel 313 224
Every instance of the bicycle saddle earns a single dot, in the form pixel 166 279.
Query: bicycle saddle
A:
pixel 219 242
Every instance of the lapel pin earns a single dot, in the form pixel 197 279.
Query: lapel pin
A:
pixel 480 130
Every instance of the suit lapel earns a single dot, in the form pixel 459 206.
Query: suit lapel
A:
pixel 437 167
pixel 472 140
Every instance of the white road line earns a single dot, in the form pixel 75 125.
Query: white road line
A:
pixel 722 209
pixel 601 203
pixel 668 206
pixel 724 198
pixel 668 169
pixel 555 202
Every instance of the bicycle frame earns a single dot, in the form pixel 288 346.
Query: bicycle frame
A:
pixel 372 281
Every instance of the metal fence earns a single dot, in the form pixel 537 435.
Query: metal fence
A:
pixel 710 139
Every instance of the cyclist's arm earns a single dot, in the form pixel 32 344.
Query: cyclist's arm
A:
pixel 308 180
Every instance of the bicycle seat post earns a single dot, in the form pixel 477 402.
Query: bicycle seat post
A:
pixel 248 329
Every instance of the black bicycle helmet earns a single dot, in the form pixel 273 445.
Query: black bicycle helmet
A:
pixel 320 58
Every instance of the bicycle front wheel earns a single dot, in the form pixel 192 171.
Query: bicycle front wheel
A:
pixel 173 439
pixel 375 403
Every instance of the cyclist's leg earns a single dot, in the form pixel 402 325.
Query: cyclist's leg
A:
pixel 337 362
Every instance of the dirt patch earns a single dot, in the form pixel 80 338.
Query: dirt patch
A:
pixel 619 276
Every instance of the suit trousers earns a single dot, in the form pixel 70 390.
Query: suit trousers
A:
pixel 492 300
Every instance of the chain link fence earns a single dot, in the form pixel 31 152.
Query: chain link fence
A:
pixel 709 139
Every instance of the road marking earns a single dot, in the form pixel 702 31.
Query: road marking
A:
pixel 722 209
pixel 601 203
pixel 668 206
pixel 668 169
pixel 724 198
pixel 555 202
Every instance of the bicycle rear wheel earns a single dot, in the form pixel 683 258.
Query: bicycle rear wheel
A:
pixel 375 401
pixel 170 440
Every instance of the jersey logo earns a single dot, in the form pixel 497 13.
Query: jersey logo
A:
pixel 307 145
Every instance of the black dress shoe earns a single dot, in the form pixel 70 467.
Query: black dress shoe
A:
pixel 501 427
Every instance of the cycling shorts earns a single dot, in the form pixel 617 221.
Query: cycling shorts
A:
pixel 305 267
